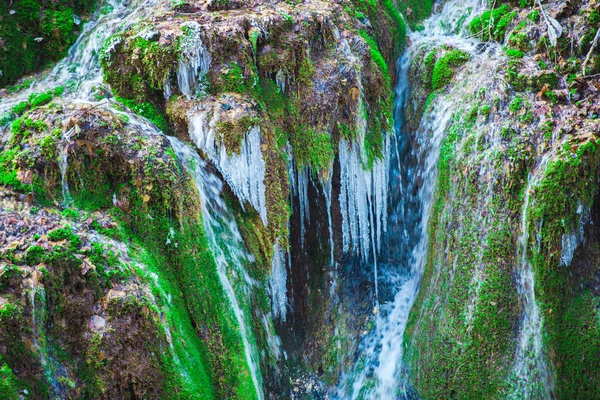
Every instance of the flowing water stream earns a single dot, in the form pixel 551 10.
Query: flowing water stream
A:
pixel 378 372
pixel 228 249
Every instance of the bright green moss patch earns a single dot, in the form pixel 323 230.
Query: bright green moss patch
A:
pixel 376 55
pixel 24 21
pixel 570 311
pixel 148 111
pixel 472 290
pixel 9 385
pixel 233 79
pixel 312 148
pixel 443 69
pixel 492 24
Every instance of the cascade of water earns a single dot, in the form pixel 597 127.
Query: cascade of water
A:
pixel 80 72
pixel 412 180
pixel 228 249
pixel 531 375
pixel 244 172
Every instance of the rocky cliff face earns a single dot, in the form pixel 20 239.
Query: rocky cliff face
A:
pixel 268 93
pixel 511 227
pixel 221 199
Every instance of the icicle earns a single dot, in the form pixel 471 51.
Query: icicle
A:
pixel 327 185
pixel 302 193
pixel 244 172
pixel 363 201
pixel 194 59
pixel 278 283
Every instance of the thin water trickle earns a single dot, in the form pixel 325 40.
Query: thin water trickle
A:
pixel 63 165
pixel 531 376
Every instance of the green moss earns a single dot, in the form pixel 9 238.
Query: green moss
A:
pixel 473 290
pixel 306 72
pixel 492 24
pixel 148 111
pixel 9 385
pixel 569 309
pixel 233 80
pixel 376 55
pixel 34 255
pixel 513 53
pixel 31 19
pixel 516 104
pixel 232 133
pixel 312 148
pixel 443 70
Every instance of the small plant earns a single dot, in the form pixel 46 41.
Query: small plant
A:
pixel 516 104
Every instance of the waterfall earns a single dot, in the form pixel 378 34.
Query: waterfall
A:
pixel 378 372
pixel 531 375
pixel 228 249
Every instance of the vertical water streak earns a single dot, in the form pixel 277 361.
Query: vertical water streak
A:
pixel 227 247
pixel 63 165
pixel 531 375
pixel 278 283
